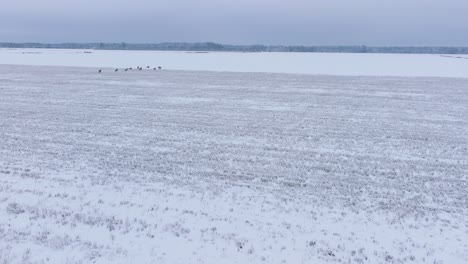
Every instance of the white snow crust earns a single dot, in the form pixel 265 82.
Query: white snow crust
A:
pixel 349 64
pixel 205 167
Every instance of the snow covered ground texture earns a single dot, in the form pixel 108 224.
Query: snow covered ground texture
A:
pixel 203 167
pixel 349 64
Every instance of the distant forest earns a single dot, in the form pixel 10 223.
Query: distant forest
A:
pixel 210 46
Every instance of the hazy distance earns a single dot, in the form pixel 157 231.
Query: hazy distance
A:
pixel 270 22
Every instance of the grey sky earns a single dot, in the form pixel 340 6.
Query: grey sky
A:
pixel 301 22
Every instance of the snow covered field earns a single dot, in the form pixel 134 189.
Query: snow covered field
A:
pixel 204 167
pixel 350 64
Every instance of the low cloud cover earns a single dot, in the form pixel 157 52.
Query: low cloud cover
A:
pixel 295 22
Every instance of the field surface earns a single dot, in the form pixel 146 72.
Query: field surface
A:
pixel 203 167
pixel 347 64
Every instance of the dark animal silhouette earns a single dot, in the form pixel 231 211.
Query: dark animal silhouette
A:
pixel 116 70
pixel 100 70
pixel 159 67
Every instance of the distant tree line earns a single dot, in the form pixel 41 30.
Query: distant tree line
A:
pixel 210 46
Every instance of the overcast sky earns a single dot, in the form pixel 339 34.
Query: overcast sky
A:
pixel 290 22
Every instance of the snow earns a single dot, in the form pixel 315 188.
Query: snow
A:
pixel 205 167
pixel 301 63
